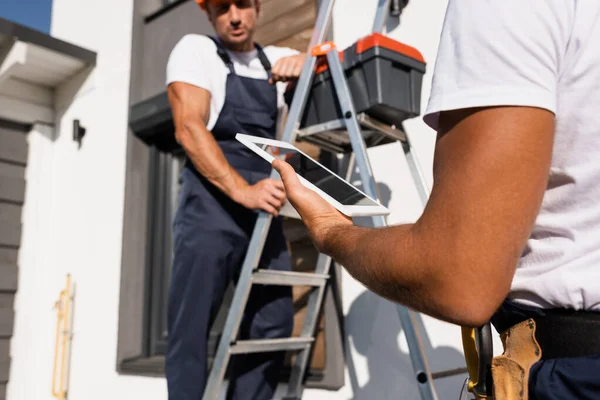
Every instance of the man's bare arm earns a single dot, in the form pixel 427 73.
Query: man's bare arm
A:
pixel 191 109
pixel 457 261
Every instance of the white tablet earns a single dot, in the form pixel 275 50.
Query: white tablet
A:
pixel 340 194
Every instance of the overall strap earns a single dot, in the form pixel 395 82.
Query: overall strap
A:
pixel 263 59
pixel 223 54
pixel 227 60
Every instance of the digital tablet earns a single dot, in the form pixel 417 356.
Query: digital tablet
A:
pixel 336 191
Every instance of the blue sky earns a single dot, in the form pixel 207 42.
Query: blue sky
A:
pixel 32 13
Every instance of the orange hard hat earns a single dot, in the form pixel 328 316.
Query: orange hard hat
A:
pixel 202 3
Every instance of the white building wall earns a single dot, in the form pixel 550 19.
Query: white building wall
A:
pixel 74 211
pixel 73 217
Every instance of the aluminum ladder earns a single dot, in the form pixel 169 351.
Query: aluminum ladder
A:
pixel 302 345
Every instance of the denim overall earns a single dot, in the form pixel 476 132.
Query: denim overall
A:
pixel 210 238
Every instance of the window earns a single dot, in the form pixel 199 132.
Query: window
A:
pixel 162 200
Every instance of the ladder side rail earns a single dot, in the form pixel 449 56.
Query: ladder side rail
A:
pixel 295 385
pixel 304 82
pixel 407 318
pixel 404 313
pixel 416 171
pixel 236 309
pixel 356 140
pixel 383 9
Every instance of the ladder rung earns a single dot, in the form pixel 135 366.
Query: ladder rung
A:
pixel 286 278
pixel 266 345
pixel 391 131
pixel 322 127
pixel 451 372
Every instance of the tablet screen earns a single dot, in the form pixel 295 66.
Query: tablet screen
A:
pixel 325 180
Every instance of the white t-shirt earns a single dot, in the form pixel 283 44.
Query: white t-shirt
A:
pixel 541 53
pixel 194 60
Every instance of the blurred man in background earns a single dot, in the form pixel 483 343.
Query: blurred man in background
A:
pixel 218 87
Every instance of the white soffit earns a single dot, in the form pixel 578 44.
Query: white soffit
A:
pixel 37 65
pixel 32 66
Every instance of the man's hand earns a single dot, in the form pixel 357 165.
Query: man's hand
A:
pixel 287 68
pixel 267 195
pixel 322 220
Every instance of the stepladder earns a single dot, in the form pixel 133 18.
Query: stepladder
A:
pixel 340 121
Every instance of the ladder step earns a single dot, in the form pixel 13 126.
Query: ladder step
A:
pixel 286 278
pixel 266 345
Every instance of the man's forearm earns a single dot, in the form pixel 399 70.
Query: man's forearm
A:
pixel 395 264
pixel 372 257
pixel 208 158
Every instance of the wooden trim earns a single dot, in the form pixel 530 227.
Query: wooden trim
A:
pixel 276 9
pixel 294 20
pixel 298 41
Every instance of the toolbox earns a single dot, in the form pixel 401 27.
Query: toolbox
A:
pixel 384 78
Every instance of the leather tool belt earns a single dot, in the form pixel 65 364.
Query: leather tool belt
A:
pixel 555 334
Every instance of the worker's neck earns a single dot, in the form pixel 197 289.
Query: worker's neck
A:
pixel 240 47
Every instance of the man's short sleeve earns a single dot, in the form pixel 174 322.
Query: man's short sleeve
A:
pixel 499 52
pixel 191 61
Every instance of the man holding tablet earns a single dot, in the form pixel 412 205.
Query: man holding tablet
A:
pixel 218 87
pixel 511 232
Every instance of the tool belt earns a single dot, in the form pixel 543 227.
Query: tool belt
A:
pixel 538 335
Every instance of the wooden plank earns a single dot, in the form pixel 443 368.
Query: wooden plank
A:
pixel 9 275
pixel 12 171
pixel 296 20
pixel 7 317
pixel 10 235
pixel 4 360
pixel 10 214
pixel 13 146
pixel 8 256
pixel 298 41
pixel 7 300
pixel 11 189
pixel 277 8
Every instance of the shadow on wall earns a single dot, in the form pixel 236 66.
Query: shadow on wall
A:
pixel 372 329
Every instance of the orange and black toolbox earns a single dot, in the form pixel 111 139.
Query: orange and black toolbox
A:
pixel 384 77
